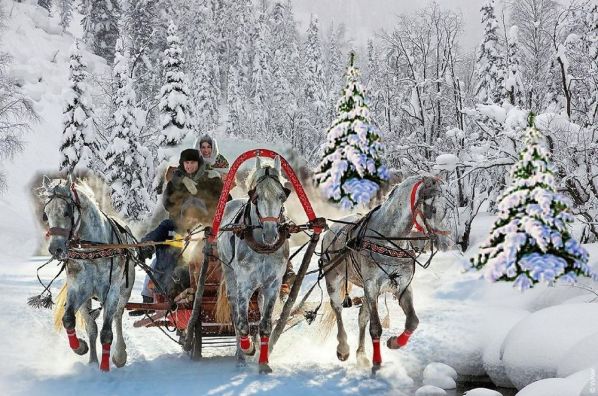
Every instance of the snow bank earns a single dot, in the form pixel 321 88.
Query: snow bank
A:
pixel 534 348
pixel 501 320
pixel 430 390
pixel 582 383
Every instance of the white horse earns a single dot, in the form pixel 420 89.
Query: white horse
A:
pixel 257 258
pixel 72 217
pixel 375 253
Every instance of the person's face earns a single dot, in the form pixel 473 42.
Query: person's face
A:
pixel 206 150
pixel 191 166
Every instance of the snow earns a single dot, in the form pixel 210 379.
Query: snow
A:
pixel 464 320
pixel 533 349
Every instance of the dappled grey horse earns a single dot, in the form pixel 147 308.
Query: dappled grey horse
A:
pixel 370 252
pixel 256 260
pixel 72 216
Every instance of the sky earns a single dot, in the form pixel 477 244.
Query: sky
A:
pixel 365 18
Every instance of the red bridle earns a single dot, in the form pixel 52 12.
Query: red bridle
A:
pixel 415 211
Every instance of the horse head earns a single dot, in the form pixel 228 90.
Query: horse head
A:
pixel 61 213
pixel 268 194
pixel 430 211
pixel 193 210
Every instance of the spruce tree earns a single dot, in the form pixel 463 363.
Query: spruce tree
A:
pixel 79 149
pixel 127 164
pixel 489 71
pixel 530 241
pixel 176 117
pixel 513 82
pixel 100 26
pixel 65 10
pixel 351 170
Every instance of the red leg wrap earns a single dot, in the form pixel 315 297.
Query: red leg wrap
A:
pixel 105 364
pixel 73 340
pixel 244 343
pixel 404 338
pixel 377 358
pixel 264 350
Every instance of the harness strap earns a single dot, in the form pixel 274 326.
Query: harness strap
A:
pixel 414 210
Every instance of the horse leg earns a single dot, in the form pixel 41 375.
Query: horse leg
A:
pixel 110 308
pixel 362 360
pixel 371 297
pixel 269 296
pixel 74 300
pixel 411 320
pixel 92 331
pixel 231 294
pixel 242 322
pixel 119 358
pixel 342 349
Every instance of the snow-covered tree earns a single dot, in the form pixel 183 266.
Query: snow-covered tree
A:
pixel 351 170
pixel 47 4
pixel 65 11
pixel 100 26
pixel 176 116
pixel 142 26
pixel 16 110
pixel 489 68
pixel 128 161
pixel 79 148
pixel 530 241
pixel 513 82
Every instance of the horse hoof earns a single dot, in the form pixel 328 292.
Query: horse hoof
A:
pixel 250 351
pixel 83 348
pixel 119 363
pixel 265 369
pixel 362 361
pixel 392 343
pixel 241 364
pixel 375 369
pixel 342 356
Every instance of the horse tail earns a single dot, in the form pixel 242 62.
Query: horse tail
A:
pixel 59 312
pixel 223 310
pixel 328 317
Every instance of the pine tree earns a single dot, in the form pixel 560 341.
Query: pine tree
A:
pixel 127 159
pixel 79 147
pixel 176 116
pixel 351 170
pixel 513 83
pixel 65 10
pixel 530 241
pixel 100 26
pixel 489 71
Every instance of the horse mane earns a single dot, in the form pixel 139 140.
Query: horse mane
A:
pixel 84 191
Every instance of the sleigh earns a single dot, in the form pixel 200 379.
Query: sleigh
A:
pixel 195 321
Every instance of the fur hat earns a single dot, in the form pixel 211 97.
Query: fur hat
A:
pixel 190 155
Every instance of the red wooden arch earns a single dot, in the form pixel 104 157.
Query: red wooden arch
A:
pixel 288 170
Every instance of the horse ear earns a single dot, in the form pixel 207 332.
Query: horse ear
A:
pixel 277 163
pixel 258 163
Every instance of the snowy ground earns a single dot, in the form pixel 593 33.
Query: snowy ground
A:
pixel 474 327
pixel 461 316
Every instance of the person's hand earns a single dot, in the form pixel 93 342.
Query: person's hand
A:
pixel 146 252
